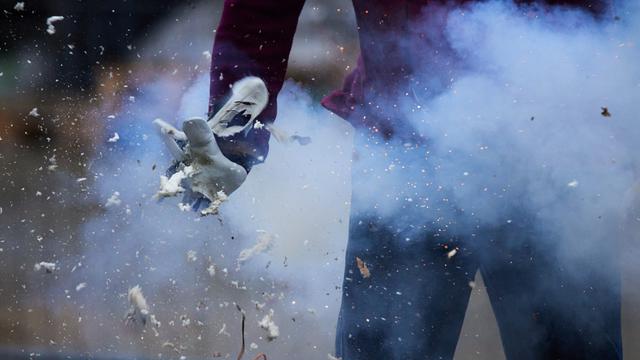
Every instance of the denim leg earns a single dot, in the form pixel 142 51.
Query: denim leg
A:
pixel 413 304
pixel 546 306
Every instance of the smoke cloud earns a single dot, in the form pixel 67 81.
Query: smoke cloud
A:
pixel 537 116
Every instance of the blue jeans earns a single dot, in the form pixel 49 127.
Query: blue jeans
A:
pixel 413 304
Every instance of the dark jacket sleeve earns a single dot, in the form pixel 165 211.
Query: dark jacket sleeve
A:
pixel 254 37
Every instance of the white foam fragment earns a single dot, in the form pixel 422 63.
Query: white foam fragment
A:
pixel 19 6
pixel 211 270
pixel 139 311
pixel 113 200
pixel 81 286
pixel 53 164
pixel 269 326
pixel 452 253
pixel 207 54
pixel 573 183
pixel 171 186
pixel 50 20
pixel 48 267
pixel 184 207
pixel 192 256
pixel 224 331
pixel 213 208
pixel 263 244
pixel 114 138
pixel 34 112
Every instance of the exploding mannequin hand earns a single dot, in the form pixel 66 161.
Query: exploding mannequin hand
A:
pixel 201 169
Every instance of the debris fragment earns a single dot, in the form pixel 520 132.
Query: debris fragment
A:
pixel 81 286
pixel 50 20
pixel 269 326
pixel 331 357
pixel 263 244
pixel 224 331
pixel 452 253
pixel 53 165
pixel 172 346
pixel 573 183
pixel 192 256
pixel 302 140
pixel 48 267
pixel 213 208
pixel 211 270
pixel 113 200
pixel 185 320
pixel 605 112
pixel 364 270
pixel 184 207
pixel 114 138
pixel 171 186
pixel 139 311
pixel 259 305
pixel 19 6
pixel 34 112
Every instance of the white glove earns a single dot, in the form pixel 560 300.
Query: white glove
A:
pixel 201 166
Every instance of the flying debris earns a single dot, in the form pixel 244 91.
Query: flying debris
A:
pixel 50 20
pixel 212 209
pixel 34 112
pixel 114 138
pixel 364 270
pixel 223 330
pixel 53 164
pixel 211 270
pixel 171 346
pixel 48 267
pixel 258 125
pixel 81 286
pixel 572 183
pixel 452 253
pixel 263 244
pixel 139 311
pixel 171 186
pixel 19 6
pixel 302 140
pixel 605 112
pixel 114 200
pixel 192 256
pixel 269 326
pixel 184 207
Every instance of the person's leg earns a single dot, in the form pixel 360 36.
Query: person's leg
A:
pixel 548 306
pixel 412 305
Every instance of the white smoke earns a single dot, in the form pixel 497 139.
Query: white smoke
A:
pixel 519 125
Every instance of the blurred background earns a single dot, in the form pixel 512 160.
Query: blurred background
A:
pixel 62 96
